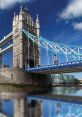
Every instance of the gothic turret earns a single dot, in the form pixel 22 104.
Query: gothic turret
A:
pixel 14 18
pixel 24 55
pixel 21 11
pixel 14 23
pixel 37 26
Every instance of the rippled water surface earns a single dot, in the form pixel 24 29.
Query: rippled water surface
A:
pixel 20 104
pixel 72 91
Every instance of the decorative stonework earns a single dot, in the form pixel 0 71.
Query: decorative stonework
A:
pixel 25 52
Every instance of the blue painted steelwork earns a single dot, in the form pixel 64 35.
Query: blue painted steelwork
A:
pixel 6 38
pixel 74 51
pixel 7 44
pixel 67 50
pixel 58 107
pixel 55 67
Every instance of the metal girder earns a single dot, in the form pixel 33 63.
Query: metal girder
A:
pixel 69 50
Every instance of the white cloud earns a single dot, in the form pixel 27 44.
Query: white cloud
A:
pixel 8 3
pixel 73 10
pixel 77 26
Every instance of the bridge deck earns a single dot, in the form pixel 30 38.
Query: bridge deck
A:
pixel 60 68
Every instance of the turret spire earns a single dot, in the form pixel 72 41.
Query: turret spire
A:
pixel 21 9
pixel 14 15
pixel 38 26
pixel 37 19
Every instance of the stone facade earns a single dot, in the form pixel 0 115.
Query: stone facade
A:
pixel 14 76
pixel 25 52
pixel 18 76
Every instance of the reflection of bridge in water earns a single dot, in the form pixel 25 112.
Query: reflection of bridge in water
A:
pixel 24 105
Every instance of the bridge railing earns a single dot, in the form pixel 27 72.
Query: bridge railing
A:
pixel 62 65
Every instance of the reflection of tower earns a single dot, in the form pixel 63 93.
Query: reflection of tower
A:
pixel 20 108
pixel 56 61
pixel 25 52
pixel 39 108
pixel 58 107
pixel 35 108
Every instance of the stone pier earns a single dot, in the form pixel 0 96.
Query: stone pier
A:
pixel 20 76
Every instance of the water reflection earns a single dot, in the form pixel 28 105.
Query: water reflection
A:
pixel 21 104
pixel 35 108
pixel 54 108
pixel 66 90
pixel 13 104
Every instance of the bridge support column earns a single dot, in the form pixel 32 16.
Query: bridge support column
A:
pixel 23 50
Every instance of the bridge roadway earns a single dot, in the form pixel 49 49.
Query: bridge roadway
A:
pixel 60 68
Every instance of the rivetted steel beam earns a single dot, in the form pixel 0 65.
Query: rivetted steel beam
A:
pixel 66 50
pixel 3 115
pixel 6 39
pixel 6 49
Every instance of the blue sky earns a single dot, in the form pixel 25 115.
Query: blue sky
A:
pixel 58 23
pixel 60 20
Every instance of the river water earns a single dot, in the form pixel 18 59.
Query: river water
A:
pixel 21 104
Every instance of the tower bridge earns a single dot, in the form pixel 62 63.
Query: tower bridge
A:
pixel 26 43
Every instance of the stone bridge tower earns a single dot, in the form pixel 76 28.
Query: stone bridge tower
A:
pixel 25 52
